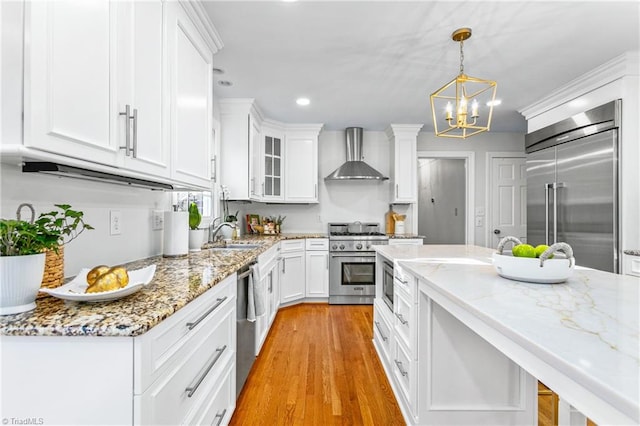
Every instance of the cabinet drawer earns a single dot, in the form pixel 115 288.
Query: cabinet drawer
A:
pixel 264 259
pixel 403 371
pixel 200 365
pixel 382 330
pixel 155 351
pixel 317 243
pixel 292 245
pixel 633 265
pixel 403 312
pixel 219 401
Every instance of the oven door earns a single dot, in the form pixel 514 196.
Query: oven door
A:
pixel 387 284
pixel 352 278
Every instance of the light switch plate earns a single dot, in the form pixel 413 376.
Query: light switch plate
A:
pixel 157 220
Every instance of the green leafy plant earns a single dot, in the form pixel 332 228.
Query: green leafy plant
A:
pixel 194 216
pixel 65 224
pixel 21 238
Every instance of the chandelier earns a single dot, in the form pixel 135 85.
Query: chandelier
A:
pixel 463 107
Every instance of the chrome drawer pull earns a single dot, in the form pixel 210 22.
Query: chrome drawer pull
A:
pixel 221 415
pixel 402 320
pixel 384 339
pixel 399 365
pixel 192 389
pixel 401 280
pixel 191 325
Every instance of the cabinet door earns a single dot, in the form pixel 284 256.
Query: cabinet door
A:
pixel 69 82
pixel 191 93
pixel 256 149
pixel 405 170
pixel 301 169
pixel 272 171
pixel 141 70
pixel 292 276
pixel 317 271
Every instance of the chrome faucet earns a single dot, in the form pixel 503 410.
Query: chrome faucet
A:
pixel 213 230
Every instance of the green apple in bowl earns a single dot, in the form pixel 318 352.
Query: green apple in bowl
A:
pixel 524 250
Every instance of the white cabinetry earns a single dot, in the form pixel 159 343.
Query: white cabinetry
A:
pixel 119 87
pixel 292 272
pixel 317 267
pixel 301 163
pixel 270 170
pixel 191 92
pixel 632 265
pixel 240 123
pixel 182 371
pixel 404 162
pixel 268 265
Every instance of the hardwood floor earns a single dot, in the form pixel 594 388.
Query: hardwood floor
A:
pixel 318 367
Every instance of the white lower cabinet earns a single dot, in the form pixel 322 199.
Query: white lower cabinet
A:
pixel 268 265
pixel 292 270
pixel 440 371
pixel 317 268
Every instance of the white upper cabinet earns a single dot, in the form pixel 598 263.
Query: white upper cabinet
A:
pixel 191 94
pixel 271 154
pixel 126 85
pixel 404 162
pixel 70 81
pixel 141 87
pixel 301 163
pixel 240 123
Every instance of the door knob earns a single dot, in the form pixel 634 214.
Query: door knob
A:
pixel 496 231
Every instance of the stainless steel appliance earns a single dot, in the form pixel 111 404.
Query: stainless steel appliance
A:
pixel 355 167
pixel 572 186
pixel 387 284
pixel 352 267
pixel 245 331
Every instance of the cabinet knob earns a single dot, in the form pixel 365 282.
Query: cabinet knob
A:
pixel 496 231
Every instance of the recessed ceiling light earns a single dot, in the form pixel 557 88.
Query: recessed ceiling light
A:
pixel 225 83
pixel 494 102
pixel 218 71
pixel 303 101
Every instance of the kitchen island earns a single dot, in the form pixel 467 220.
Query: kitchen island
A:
pixel 580 338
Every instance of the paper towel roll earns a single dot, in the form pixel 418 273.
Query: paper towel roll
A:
pixel 175 241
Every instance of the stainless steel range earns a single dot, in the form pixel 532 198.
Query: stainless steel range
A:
pixel 352 268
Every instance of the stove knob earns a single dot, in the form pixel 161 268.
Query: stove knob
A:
pixel 359 246
pixel 341 246
pixel 368 246
pixel 333 247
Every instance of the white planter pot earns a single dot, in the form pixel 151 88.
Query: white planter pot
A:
pixel 196 239
pixel 20 280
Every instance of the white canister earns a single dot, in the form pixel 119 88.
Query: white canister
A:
pixel 175 241
pixel 399 230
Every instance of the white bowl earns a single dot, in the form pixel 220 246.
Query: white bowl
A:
pixel 529 270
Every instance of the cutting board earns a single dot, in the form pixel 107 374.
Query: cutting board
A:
pixel 390 223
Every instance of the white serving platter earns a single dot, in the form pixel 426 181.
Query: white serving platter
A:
pixel 75 289
pixel 526 269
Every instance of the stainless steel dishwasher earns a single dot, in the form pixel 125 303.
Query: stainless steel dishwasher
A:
pixel 245 331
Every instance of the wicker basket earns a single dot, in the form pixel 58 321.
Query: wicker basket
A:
pixel 53 269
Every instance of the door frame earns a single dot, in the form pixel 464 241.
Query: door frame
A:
pixel 489 190
pixel 470 161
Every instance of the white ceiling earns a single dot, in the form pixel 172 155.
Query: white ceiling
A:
pixel 372 63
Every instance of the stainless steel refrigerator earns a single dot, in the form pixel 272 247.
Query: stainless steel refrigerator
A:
pixel 572 186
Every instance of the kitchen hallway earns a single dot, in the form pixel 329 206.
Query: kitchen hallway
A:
pixel 318 366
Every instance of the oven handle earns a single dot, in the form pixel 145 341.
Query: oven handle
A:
pixel 356 254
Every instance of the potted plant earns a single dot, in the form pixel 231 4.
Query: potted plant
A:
pixel 65 224
pixel 196 235
pixel 24 247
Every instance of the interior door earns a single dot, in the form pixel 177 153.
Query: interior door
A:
pixel 508 215
pixel 587 199
pixel 541 172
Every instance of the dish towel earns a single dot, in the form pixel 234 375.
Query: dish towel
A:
pixel 255 296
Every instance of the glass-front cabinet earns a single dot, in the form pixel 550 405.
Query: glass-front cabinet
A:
pixel 272 168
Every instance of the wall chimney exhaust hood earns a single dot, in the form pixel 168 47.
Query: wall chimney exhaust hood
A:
pixel 355 168
pixel 86 174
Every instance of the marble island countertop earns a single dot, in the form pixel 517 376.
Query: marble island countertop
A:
pixel 582 334
pixel 176 282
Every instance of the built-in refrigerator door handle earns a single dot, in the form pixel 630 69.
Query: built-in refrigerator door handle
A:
pixel 547 186
pixel 556 185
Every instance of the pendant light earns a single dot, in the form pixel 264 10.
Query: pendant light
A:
pixel 463 107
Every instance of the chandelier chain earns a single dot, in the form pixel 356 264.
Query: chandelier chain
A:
pixel 461 58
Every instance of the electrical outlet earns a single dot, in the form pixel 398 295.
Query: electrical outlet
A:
pixel 479 221
pixel 115 222
pixel 157 220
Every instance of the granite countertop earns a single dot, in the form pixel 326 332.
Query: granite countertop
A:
pixel 584 331
pixel 632 252
pixel 176 282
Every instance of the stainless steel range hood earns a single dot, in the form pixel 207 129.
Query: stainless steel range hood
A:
pixel 355 167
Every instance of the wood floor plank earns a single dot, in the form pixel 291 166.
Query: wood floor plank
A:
pixel 318 367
